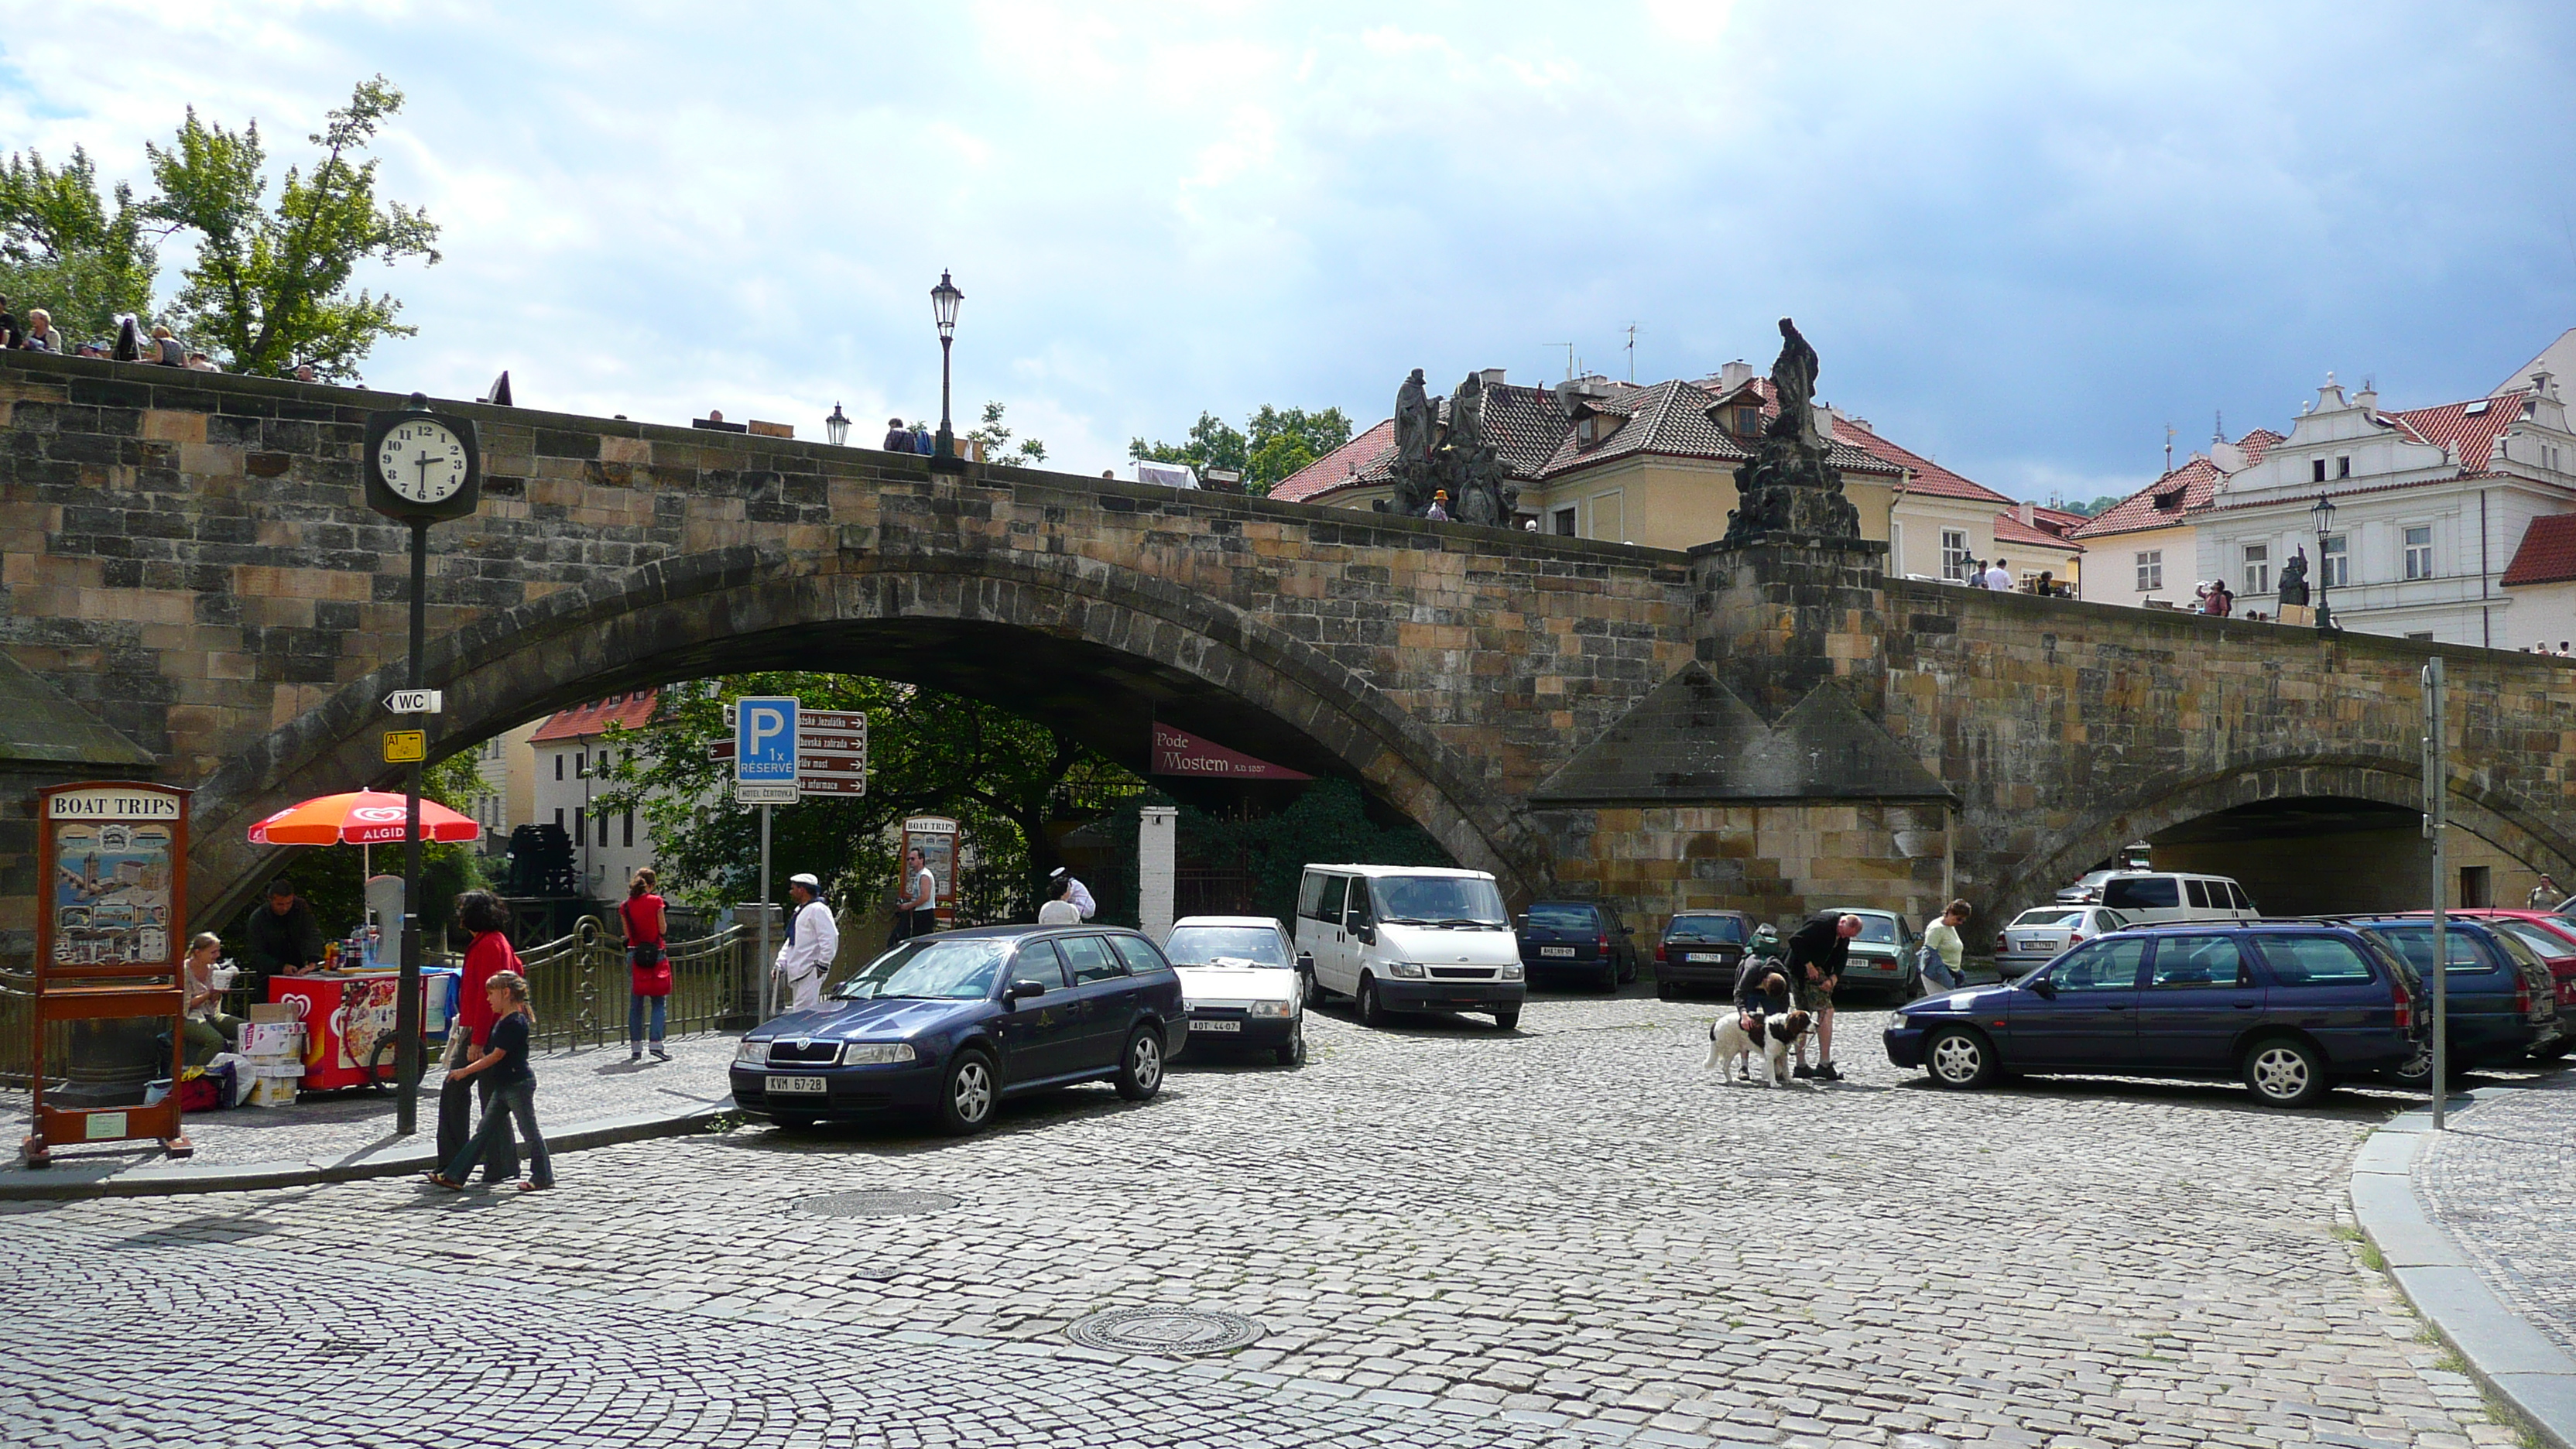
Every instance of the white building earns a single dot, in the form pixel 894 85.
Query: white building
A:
pixel 572 756
pixel 2429 508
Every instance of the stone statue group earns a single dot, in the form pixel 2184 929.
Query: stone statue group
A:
pixel 1436 455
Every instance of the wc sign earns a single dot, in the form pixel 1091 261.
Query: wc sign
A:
pixel 764 741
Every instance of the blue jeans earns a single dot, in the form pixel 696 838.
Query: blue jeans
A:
pixel 635 1017
pixel 511 1101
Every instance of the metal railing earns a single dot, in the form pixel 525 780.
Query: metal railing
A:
pixel 579 985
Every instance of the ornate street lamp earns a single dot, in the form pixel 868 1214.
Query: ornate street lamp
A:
pixel 836 428
pixel 943 307
pixel 2323 514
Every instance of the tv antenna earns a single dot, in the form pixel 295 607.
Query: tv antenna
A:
pixel 1632 352
pixel 2168 447
pixel 1569 358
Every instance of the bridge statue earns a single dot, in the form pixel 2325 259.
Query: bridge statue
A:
pixel 1789 486
pixel 1455 456
pixel 2294 580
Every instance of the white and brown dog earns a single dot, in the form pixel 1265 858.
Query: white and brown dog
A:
pixel 1729 1044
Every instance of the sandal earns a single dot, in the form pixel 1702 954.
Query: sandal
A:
pixel 440 1179
pixel 536 1187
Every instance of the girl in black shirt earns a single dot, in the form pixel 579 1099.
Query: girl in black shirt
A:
pixel 514 1089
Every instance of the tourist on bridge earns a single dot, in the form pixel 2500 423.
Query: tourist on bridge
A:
pixel 898 438
pixel 1818 952
pixel 1439 510
pixel 2544 896
pixel 1999 578
pixel 1075 891
pixel 813 939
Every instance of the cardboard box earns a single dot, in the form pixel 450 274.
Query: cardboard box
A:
pixel 269 1011
pixel 270 1039
pixel 273 1092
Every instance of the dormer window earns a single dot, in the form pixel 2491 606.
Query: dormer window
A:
pixel 1748 420
pixel 2169 501
pixel 1587 430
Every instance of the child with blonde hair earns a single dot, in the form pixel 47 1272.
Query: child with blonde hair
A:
pixel 514 1089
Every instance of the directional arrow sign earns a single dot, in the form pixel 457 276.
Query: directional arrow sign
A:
pixel 415 701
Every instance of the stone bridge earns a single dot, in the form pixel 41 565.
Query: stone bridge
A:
pixel 192 591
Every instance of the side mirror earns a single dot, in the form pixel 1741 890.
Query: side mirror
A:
pixel 1627 930
pixel 2044 987
pixel 1367 934
pixel 1020 989
pixel 1520 922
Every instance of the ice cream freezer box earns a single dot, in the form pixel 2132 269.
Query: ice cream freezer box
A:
pixel 349 1020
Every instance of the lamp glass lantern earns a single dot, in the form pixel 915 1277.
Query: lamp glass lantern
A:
pixel 837 426
pixel 2323 513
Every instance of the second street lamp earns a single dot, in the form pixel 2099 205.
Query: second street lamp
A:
pixel 836 428
pixel 943 308
pixel 2323 513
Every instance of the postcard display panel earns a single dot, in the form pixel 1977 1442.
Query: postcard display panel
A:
pixel 110 941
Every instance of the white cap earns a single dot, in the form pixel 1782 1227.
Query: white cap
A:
pixel 808 882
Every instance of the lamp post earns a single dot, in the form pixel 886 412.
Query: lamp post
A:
pixel 2323 513
pixel 943 308
pixel 836 428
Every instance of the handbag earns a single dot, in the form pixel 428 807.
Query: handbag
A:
pixel 647 957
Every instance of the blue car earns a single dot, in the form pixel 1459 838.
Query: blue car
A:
pixel 949 1025
pixel 2291 1008
pixel 2502 1000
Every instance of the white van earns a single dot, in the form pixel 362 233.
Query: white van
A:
pixel 2163 895
pixel 1409 938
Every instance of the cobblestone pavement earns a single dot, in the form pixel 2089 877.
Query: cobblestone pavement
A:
pixel 1566 1236
pixel 573 1086
pixel 2502 1179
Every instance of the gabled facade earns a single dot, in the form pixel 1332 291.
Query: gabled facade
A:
pixel 572 755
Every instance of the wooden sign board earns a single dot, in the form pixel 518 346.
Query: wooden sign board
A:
pixel 111 937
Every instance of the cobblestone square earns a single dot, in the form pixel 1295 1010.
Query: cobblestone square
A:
pixel 1568 1235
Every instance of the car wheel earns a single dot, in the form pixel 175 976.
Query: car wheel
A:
pixel 1664 991
pixel 2282 1072
pixel 2414 1073
pixel 1627 970
pixel 1959 1058
pixel 1140 1066
pixel 1610 976
pixel 1508 1020
pixel 1372 1012
pixel 973 1086
pixel 1292 1052
pixel 1311 992
pixel 2553 1051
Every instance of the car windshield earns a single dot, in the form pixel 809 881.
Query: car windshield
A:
pixel 2046 916
pixel 1438 900
pixel 1878 930
pixel 1251 945
pixel 1706 930
pixel 1562 916
pixel 931 970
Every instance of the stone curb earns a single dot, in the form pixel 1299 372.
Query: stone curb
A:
pixel 396 1159
pixel 2513 1360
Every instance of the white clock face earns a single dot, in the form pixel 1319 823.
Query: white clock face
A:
pixel 422 461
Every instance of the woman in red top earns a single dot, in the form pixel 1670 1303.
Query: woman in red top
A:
pixel 648 963
pixel 482 913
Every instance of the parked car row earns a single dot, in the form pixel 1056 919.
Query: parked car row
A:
pixel 2290 1007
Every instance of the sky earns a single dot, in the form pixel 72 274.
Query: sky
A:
pixel 2025 239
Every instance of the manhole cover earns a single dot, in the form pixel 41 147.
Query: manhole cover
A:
pixel 877 1204
pixel 1165 1330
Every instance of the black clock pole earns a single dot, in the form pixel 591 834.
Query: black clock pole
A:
pixel 407 1063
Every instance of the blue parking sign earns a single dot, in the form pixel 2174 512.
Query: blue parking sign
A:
pixel 764 740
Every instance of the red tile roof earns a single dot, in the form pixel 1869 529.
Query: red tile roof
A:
pixel 2453 425
pixel 1929 477
pixel 2547 554
pixel 1338 467
pixel 2188 489
pixel 582 721
pixel 2009 529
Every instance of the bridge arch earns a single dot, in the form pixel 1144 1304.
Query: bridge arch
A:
pixel 2476 804
pixel 958 623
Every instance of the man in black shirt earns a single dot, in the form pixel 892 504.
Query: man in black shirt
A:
pixel 282 938
pixel 1818 951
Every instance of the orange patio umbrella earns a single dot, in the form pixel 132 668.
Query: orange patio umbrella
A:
pixel 360 817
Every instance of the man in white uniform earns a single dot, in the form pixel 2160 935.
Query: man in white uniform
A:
pixel 812 941
pixel 1074 892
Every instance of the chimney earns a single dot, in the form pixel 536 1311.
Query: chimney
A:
pixel 1491 377
pixel 1734 375
pixel 2028 513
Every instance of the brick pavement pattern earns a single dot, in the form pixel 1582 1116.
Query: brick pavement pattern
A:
pixel 1565 1236
pixel 2502 1179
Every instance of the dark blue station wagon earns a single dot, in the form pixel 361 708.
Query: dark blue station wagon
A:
pixel 2291 1008
pixel 950 1024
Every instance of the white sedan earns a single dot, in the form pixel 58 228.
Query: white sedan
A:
pixel 1239 976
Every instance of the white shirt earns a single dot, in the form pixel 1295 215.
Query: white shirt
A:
pixel 1996 578
pixel 1059 913
pixel 1081 898
pixel 925 892
pixel 817 939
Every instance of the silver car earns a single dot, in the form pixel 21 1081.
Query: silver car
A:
pixel 2042 934
pixel 2086 891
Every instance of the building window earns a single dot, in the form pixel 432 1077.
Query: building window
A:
pixel 1565 523
pixel 1748 420
pixel 1954 554
pixel 581 764
pixel 2258 568
pixel 2334 562
pixel 580 826
pixel 2316 470
pixel 2343 466
pixel 558 765
pixel 2151 570
pixel 2476 890
pixel 1585 432
pixel 2419 552
pixel 558 817
pixel 630 829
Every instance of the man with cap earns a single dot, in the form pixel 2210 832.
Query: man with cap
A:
pixel 1074 891
pixel 281 938
pixel 813 939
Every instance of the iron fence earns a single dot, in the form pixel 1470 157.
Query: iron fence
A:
pixel 579 985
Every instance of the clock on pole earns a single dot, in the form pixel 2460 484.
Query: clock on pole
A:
pixel 422 467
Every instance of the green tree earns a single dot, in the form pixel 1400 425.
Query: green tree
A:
pixel 270 289
pixel 999 774
pixel 1275 443
pixel 64 249
pixel 995 435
